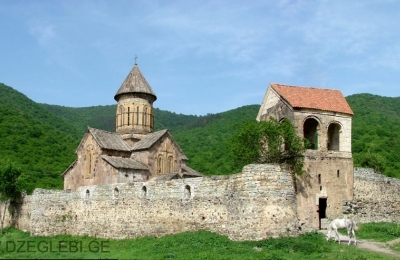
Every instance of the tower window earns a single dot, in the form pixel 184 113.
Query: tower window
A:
pixel 151 119
pixel 145 117
pixel 121 115
pixel 310 132
pixel 137 115
pixel 333 137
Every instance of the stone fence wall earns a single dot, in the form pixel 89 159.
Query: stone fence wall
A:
pixel 376 198
pixel 258 203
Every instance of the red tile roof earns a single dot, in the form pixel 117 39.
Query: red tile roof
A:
pixel 314 98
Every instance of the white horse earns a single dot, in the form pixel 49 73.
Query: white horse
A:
pixel 341 223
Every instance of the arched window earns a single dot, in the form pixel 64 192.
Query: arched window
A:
pixel 87 194
pixel 160 164
pixel 129 115
pixel 187 193
pixel 137 115
pixel 120 116
pixel 89 164
pixel 334 137
pixel 151 118
pixel 144 120
pixel 144 191
pixel 310 132
pixel 116 193
pixel 170 166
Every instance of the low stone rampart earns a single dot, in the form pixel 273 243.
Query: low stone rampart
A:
pixel 258 203
pixel 376 198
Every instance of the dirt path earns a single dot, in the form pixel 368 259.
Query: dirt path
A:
pixel 379 247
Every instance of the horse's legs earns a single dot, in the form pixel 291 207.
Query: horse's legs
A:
pixel 337 235
pixel 328 234
pixel 354 235
pixel 349 234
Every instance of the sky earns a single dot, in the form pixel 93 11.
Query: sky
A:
pixel 200 56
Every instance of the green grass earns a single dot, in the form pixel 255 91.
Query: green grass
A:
pixel 380 232
pixel 187 245
pixel 396 247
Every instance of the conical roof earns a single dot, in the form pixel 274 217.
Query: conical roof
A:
pixel 135 82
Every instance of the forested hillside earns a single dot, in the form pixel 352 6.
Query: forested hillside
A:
pixel 376 135
pixel 205 144
pixel 39 142
pixel 376 132
pixel 202 138
pixel 18 102
pixel 103 117
pixel 42 138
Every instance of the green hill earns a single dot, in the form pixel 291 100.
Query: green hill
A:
pixel 103 117
pixel 376 132
pixel 204 143
pixel 41 143
pixel 202 138
pixel 42 138
pixel 18 102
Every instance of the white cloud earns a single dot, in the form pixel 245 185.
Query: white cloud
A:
pixel 230 45
pixel 43 32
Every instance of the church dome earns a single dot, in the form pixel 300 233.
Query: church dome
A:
pixel 135 82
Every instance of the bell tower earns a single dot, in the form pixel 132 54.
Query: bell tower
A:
pixel 135 113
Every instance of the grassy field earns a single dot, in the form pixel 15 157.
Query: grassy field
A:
pixel 380 232
pixel 15 244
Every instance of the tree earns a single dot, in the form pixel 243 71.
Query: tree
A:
pixel 9 186
pixel 267 142
pixel 374 161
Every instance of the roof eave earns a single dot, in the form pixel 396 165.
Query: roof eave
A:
pixel 311 108
pixel 154 97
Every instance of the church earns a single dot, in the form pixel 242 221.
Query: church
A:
pixel 134 152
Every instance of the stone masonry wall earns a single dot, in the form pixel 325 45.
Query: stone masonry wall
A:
pixel 258 203
pixel 376 198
